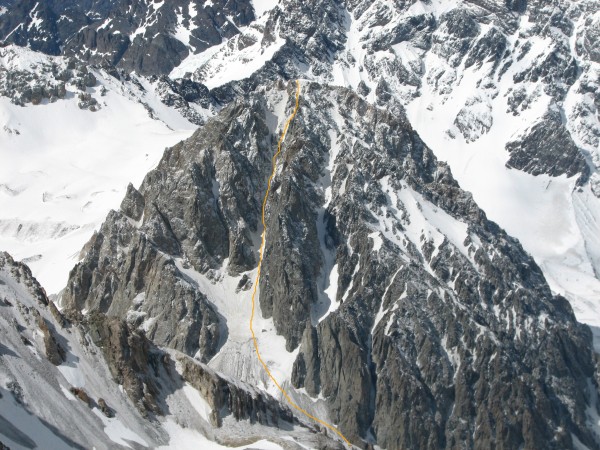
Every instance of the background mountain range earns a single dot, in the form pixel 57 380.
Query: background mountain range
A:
pixel 433 234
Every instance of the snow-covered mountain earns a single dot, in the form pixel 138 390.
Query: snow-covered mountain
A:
pixel 489 89
pixel 65 166
pixel 101 384
pixel 392 303
pixel 146 36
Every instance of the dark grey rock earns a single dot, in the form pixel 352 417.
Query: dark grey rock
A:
pixel 547 148
pixel 86 101
pixel 432 339
pixel 180 93
pixel 415 29
pixel 459 30
pixel 182 317
pixel 490 47
pixel 363 89
pixel 54 351
pixel 591 40
pixel 130 358
pixel 89 80
pixel 106 410
pixel 557 69
pixel 133 204
pixel 228 399
pixel 82 29
pixel 519 6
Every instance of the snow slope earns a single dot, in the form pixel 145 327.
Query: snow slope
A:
pixel 263 6
pixel 36 406
pixel 64 168
pixel 232 60
pixel 38 409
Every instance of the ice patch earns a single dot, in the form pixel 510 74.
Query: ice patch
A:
pixel 189 439
pixel 263 6
pixel 118 432
pixel 221 64
pixel 377 241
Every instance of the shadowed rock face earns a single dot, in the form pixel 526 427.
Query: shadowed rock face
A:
pixel 548 148
pixel 126 275
pixel 418 320
pixel 199 206
pixel 152 39
pixel 129 357
pixel 133 35
pixel 122 359
pixel 226 398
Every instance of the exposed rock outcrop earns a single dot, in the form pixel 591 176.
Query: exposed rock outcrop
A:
pixel 153 292
pixel 147 37
pixel 432 308
pixel 54 351
pixel 227 398
pixel 548 148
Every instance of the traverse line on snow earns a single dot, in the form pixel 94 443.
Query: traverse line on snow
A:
pixel 260 260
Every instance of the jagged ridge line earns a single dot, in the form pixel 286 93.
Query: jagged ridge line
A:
pixel 260 260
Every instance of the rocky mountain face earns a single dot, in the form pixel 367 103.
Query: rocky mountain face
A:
pixel 409 310
pixel 99 382
pixel 489 85
pixel 48 82
pixel 390 304
pixel 148 37
pixel 400 50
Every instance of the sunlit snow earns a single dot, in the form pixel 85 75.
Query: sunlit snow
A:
pixel 63 169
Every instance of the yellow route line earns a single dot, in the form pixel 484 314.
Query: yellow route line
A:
pixel 262 248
